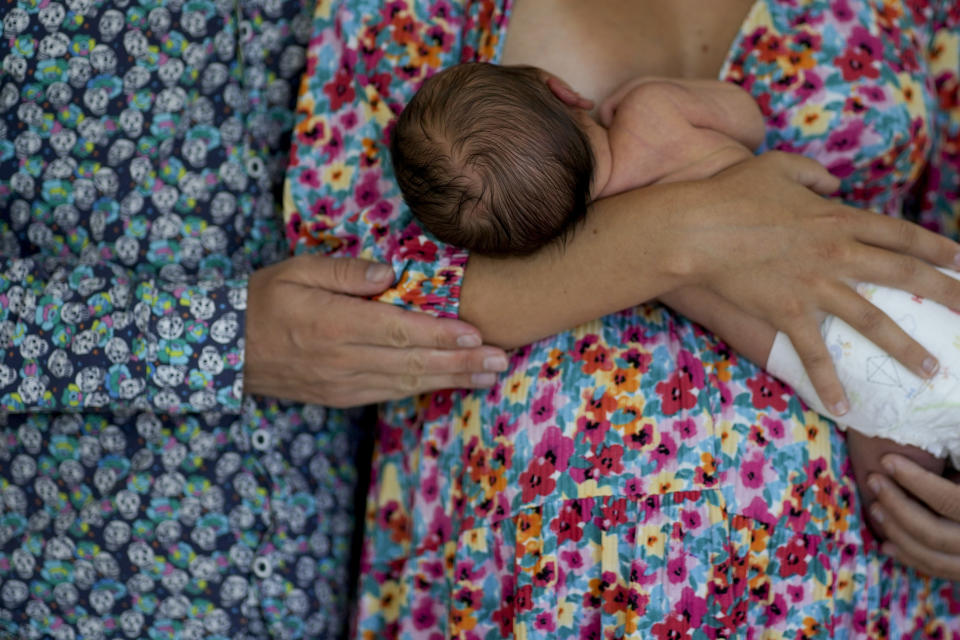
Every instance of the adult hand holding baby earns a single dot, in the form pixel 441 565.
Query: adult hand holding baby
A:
pixel 308 338
pixel 785 255
pixel 922 529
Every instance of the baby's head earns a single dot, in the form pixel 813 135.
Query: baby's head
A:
pixel 488 158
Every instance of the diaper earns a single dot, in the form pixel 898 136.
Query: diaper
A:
pixel 886 399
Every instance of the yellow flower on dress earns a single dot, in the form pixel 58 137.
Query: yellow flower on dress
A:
pixel 811 119
pixel 338 175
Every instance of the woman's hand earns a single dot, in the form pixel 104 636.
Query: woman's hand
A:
pixel 308 338
pixel 922 530
pixel 785 255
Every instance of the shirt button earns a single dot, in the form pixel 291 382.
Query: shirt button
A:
pixel 262 568
pixel 261 439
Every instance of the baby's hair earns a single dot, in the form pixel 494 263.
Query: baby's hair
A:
pixel 489 159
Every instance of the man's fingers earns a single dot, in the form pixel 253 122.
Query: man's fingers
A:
pixel 875 325
pixel 420 362
pixel 379 324
pixel 819 367
pixel 939 493
pixel 919 538
pixel 340 275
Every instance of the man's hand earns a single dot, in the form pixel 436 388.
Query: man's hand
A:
pixel 309 338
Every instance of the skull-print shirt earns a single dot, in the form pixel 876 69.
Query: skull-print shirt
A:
pixel 142 149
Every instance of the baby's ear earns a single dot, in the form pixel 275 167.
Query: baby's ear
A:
pixel 567 94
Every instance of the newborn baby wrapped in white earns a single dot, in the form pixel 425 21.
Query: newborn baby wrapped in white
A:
pixel 886 399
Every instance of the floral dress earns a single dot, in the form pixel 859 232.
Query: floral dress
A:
pixel 633 477
pixel 142 144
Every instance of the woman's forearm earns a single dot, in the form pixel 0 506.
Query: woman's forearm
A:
pixel 631 248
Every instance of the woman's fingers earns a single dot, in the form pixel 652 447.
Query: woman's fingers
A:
pixel 877 326
pixel 904 237
pixel 808 342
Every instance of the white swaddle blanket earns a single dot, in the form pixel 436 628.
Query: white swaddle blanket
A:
pixel 886 399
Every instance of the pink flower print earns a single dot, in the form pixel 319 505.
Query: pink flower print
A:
pixel 614 513
pixel 847 138
pixel 542 408
pixel 855 64
pixel 795 591
pixel 609 460
pixel 776 611
pixel 568 525
pixel 692 368
pixel 593 429
pixel 555 448
pixel 573 561
pixel 634 488
pixel 340 89
pixel 872 92
pixel 685 428
pixel 751 471
pixel 842 168
pixel 677 569
pixel 334 146
pixel 759 510
pixel 367 192
pixel 792 558
pixel 810 85
pixel 537 480
pixel 693 607
pixel 869 45
pixel 675 394
pixel 767 392
pixel 544 622
pixel 691 519
pixel 504 426
pixel 639 360
pixel 665 451
pixel 673 627
pixel 841 9
pixel 310 177
pixel 423 616
pixel 775 428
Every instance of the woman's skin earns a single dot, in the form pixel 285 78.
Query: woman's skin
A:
pixel 755 236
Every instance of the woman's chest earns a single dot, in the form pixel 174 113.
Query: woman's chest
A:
pixel 597 46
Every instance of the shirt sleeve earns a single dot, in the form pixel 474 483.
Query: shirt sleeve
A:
pixel 79 337
pixel 363 65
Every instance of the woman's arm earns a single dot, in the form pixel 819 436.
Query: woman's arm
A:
pixel 756 235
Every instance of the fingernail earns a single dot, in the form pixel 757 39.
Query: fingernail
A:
pixel 841 408
pixel 930 366
pixel 379 273
pixel 469 340
pixel 877 513
pixel 483 379
pixel 887 462
pixel 876 485
pixel 495 363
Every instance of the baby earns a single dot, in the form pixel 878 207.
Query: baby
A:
pixel 503 160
